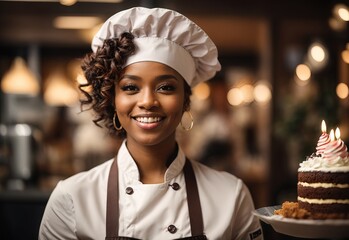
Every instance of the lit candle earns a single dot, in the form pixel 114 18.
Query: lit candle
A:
pixel 323 126
pixel 338 134
pixel 332 135
pixel 324 139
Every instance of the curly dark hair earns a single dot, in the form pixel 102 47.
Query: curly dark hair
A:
pixel 102 69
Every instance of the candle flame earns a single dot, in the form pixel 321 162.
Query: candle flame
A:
pixel 323 126
pixel 338 133
pixel 332 135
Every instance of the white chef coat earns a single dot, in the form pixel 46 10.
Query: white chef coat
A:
pixel 77 206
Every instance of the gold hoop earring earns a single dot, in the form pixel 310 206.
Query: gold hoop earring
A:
pixel 191 123
pixel 117 128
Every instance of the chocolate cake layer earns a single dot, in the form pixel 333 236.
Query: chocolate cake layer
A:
pixel 325 208
pixel 324 177
pixel 322 193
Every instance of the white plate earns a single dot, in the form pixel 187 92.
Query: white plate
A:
pixel 302 227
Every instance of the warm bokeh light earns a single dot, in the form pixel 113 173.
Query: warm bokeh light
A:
pixel 317 52
pixel 67 2
pixel 317 57
pixel 235 96
pixel 342 90
pixel 20 79
pixel 343 13
pixel 201 91
pixel 247 93
pixel 303 72
pixel 345 56
pixel 76 22
pixel 262 93
pixel 59 92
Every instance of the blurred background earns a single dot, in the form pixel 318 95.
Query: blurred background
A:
pixel 285 68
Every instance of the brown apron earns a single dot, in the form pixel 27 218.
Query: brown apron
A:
pixel 195 214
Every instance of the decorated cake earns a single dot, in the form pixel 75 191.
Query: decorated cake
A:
pixel 323 181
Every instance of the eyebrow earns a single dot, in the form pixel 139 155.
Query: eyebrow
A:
pixel 158 78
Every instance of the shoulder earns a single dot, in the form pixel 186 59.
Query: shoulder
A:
pixel 66 211
pixel 70 202
pixel 222 185
pixel 87 179
pixel 204 172
pixel 83 183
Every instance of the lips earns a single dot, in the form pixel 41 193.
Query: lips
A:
pixel 148 119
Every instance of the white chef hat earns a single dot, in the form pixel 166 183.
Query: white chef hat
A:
pixel 164 36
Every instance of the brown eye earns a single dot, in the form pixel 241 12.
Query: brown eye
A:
pixel 129 88
pixel 166 88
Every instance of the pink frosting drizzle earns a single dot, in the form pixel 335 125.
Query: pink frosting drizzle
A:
pixel 324 139
pixel 335 149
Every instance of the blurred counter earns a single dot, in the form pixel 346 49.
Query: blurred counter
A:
pixel 21 213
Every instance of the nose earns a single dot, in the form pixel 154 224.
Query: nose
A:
pixel 148 99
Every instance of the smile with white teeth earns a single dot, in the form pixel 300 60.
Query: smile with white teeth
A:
pixel 148 119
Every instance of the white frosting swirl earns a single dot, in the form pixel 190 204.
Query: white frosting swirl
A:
pixel 331 156
pixel 319 163
pixel 334 150
pixel 324 139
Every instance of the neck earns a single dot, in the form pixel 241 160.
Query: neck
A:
pixel 153 161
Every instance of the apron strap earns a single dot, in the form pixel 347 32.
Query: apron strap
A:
pixel 195 214
pixel 194 206
pixel 112 224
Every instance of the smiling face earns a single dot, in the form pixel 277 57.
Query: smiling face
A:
pixel 149 101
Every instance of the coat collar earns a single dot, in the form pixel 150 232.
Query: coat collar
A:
pixel 128 166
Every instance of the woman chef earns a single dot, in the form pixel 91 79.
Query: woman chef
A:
pixel 139 80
